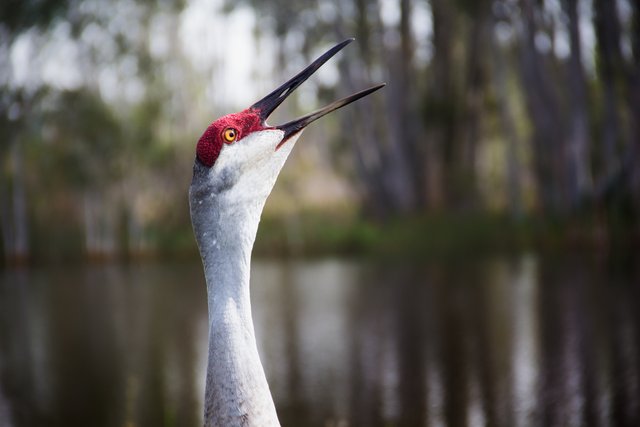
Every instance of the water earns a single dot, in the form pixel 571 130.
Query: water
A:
pixel 502 341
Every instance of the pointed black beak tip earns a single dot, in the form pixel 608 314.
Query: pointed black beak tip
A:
pixel 269 103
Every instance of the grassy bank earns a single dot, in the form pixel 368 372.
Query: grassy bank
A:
pixel 322 233
pixel 434 235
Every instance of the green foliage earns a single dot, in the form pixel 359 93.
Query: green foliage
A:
pixel 85 140
pixel 20 15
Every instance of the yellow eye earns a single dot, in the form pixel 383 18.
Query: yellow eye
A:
pixel 230 134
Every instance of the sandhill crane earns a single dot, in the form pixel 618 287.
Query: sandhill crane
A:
pixel 238 159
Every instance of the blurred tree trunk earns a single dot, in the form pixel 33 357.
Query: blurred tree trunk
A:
pixel 13 210
pixel 543 107
pixel 5 214
pixel 607 28
pixel 466 195
pixel 91 237
pixel 385 144
pixel 440 105
pixel 20 218
pixel 578 158
pixel 404 162
pixel 507 123
pixel 634 98
pixel 14 219
pixel 366 121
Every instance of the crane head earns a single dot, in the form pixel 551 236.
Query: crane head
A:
pixel 233 128
pixel 240 153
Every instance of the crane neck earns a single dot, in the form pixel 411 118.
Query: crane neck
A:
pixel 236 391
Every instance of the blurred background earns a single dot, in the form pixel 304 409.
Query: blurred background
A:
pixel 460 248
pixel 510 116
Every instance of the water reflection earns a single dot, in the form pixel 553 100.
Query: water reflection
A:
pixel 520 341
pixel 100 346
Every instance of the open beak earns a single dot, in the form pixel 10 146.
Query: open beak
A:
pixel 269 103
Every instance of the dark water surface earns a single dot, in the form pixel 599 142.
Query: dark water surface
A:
pixel 520 341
